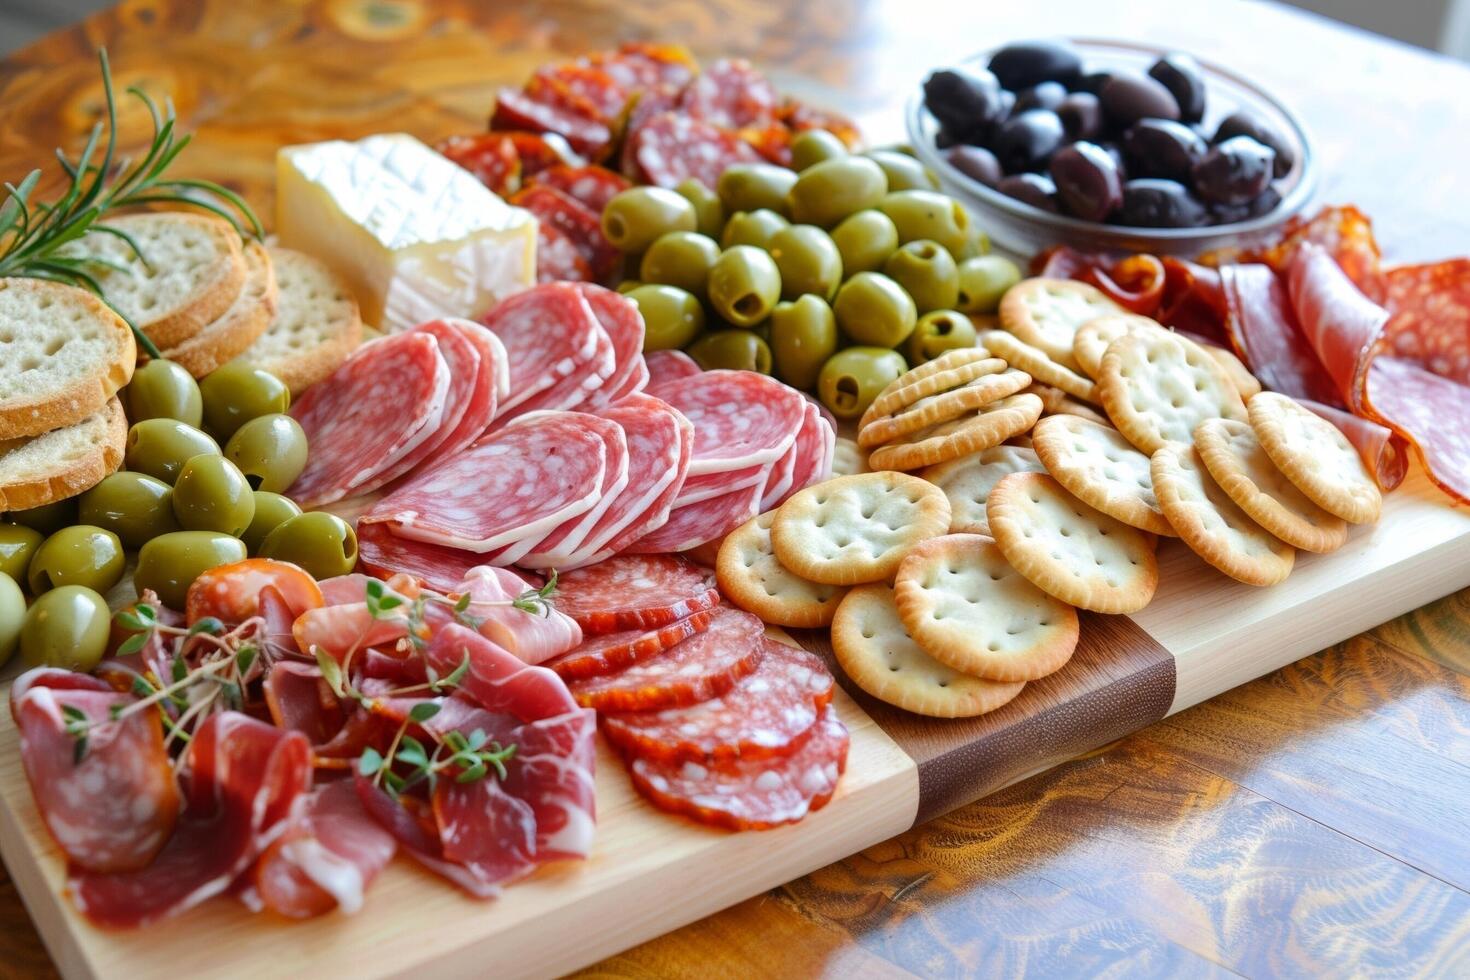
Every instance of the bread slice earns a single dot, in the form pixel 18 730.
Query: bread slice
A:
pixel 194 271
pixel 317 323
pixel 63 462
pixel 63 354
pixel 241 324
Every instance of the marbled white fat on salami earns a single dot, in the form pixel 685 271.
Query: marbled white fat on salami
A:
pixel 623 324
pixel 628 592
pixel 384 553
pixel 575 220
pixel 553 550
pixel 731 94
pixel 463 360
pixel 696 524
pixel 740 418
pixel 671 147
pixel 548 331
pixel 609 653
pixel 594 186
pixel 669 365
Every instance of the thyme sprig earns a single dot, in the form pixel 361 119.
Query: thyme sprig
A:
pixel 467 757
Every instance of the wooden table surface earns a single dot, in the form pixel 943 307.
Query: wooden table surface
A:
pixel 1311 822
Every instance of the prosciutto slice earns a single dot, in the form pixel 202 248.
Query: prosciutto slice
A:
pixel 532 637
pixel 327 858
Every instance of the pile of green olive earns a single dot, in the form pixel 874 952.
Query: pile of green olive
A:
pixel 836 276
pixel 181 502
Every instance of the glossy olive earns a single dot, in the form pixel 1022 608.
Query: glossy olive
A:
pixel 160 447
pixel 628 285
pixel 826 193
pixel 752 228
pixel 873 309
pixel 1081 115
pixel 680 258
pixel 1036 190
pixel 852 378
pixel 170 563
pixel 808 261
pixel 163 390
pixel 78 555
pixel 12 616
pixel 1246 124
pixel 709 213
pixel 812 146
pixel 672 317
pixel 1024 63
pixel 983 281
pixel 936 332
pixel 636 217
pixel 927 272
pixel 1089 184
pixel 977 242
pixel 751 186
pixel 1026 141
pixel 1234 172
pixel 270 451
pixel 1151 202
pixel 67 627
pixel 134 506
pixel 744 284
pixel 928 214
pixel 18 545
pixel 1162 148
pixel 977 163
pixel 211 494
pixel 1182 76
pixel 47 517
pixel 322 543
pixel 271 511
pixel 743 350
pixel 803 336
pixel 864 241
pixel 237 392
pixel 1227 213
pixel 904 172
pixel 1127 97
pixel 966 100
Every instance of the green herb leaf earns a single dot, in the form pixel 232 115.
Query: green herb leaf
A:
pixel 423 711
pixel 474 772
pixel 179 669
pixel 462 603
pixel 244 658
pixel 142 688
pixel 208 625
pixel 129 621
pixel 79 750
pixel 478 738
pixel 369 762
pixel 331 671
pixel 457 674
pixel 133 644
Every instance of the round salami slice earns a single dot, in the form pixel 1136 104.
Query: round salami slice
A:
pixel 707 485
pixel 751 794
pixel 814 447
pixel 554 549
pixel 643 65
pixel 672 147
pixel 648 105
pixel 702 667
pixel 731 94
pixel 696 524
pixel 572 390
pixel 669 365
pixel 548 332
pixel 613 652
pixel 636 591
pixel 620 319
pixel 517 110
pixel 577 222
pixel 740 418
pixel 769 713
pixel 436 567
pixel 491 157
pixel 579 87
pixel 557 256
pixel 465 389
pixel 592 185
pixel 541 151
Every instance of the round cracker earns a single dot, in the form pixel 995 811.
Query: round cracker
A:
pixel 1055 401
pixel 990 426
pixel 967 482
pixel 1046 314
pixel 1316 457
pixel 934 409
pixel 1240 375
pixel 1098 466
pixel 856 529
pixel 967 607
pixel 1070 550
pixel 1158 386
pixel 1093 337
pixel 755 580
pixel 848 459
pixel 1212 525
pixel 949 370
pixel 1037 363
pixel 878 654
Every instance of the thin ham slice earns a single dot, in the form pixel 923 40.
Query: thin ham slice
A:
pixel 326 859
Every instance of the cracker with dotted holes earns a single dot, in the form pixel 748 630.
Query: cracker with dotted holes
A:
pixel 1068 549
pixel 967 482
pixel 1037 363
pixel 1157 387
pixel 934 409
pixel 857 529
pixel 1240 376
pixel 965 605
pixel 1207 520
pixel 1055 401
pixel 753 578
pixel 990 426
pixel 949 370
pixel 1233 455
pixel 1099 467
pixel 876 651
pixel 848 459
pixel 1094 336
pixel 1316 457
pixel 1046 314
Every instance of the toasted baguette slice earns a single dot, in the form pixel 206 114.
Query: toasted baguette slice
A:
pixel 63 462
pixel 242 323
pixel 317 323
pixel 63 354
pixel 194 271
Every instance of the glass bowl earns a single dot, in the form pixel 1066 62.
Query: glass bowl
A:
pixel 1024 229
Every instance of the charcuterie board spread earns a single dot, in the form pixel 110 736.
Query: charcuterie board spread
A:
pixel 430 558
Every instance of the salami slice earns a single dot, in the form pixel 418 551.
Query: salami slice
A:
pixel 751 794
pixel 579 87
pixel 571 391
pixel 592 185
pixel 548 332
pixel 558 545
pixel 732 95
pixel 740 418
pixel 612 652
pixel 462 359
pixel 629 592
pixel 815 444
pixel 542 151
pixel 671 147
pixel 557 256
pixel 779 478
pixel 648 105
pixel 669 365
pixel 380 405
pixel 642 65
pixel 697 524
pixel 494 382
pixel 702 667
pixel 434 566
pixel 707 485
pixel 620 319
pixel 516 110
pixel 491 157
pixel 1431 412
pixel 579 223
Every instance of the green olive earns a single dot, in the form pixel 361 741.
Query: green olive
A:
pixel 927 272
pixel 134 506
pixel 812 146
pixel 928 214
pixel 750 186
pixel 709 213
pixel 903 171
pixel 744 284
pixel 170 563
pixel 18 545
pixel 161 447
pixel 865 240
pixel 47 517
pixel 680 258
pixel 752 228
pixel 67 627
pixel 938 331
pixel 77 555
pixel 271 511
pixel 213 495
pixel 737 349
pixel 976 243
pixel 635 218
pixel 803 336
pixel 807 260
pixel 984 280
pixel 873 309
pixel 672 317
pixel 628 285
pixel 829 191
pixel 12 615
pixel 852 378
pixel 322 543
pixel 237 392
pixel 164 390
pixel 270 451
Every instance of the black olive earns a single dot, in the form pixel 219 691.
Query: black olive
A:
pixel 976 162
pixel 1025 63
pixel 1127 98
pixel 1027 140
pixel 1233 172
pixel 1033 189
pixel 1151 202
pixel 1247 124
pixel 966 101
pixel 1045 95
pixel 1092 83
pixel 1162 148
pixel 1087 180
pixel 1181 75
pixel 1081 116
pixel 1225 214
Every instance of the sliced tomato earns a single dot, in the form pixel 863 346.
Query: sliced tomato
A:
pixel 231 593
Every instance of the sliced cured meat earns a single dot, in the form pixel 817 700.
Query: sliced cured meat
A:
pixel 533 637
pixel 577 222
pixel 580 87
pixel 1384 452
pixel 495 679
pixel 609 653
pixel 647 105
pixel 635 381
pixel 574 388
pixel 300 700
pixel 707 485
pixel 1265 333
pixel 768 713
pixel 380 405
pixel 779 478
pixel 800 116
pixel 548 331
pixel 740 418
pixel 751 794
pixel 462 358
pixel 344 629
pixel 1431 316
pixel 731 94
pixel 697 524
pixel 516 110
pixel 620 319
pixel 815 445
pixel 326 859
pixel 642 65
pixel 519 481
pixel 552 772
pixel 1347 235
pixel 486 831
pixel 1431 412
pixel 542 151
pixel 594 186
pixel 557 256
pixel 558 545
pixel 672 147
pixel 669 365
pixel 1338 321
pixel 492 384
pixel 633 591
pixel 435 566
pixel 491 157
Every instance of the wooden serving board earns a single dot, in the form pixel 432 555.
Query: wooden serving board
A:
pixel 651 872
